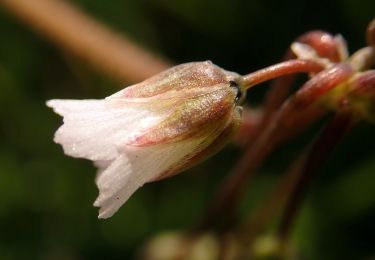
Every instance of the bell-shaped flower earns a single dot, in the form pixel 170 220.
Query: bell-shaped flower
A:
pixel 151 130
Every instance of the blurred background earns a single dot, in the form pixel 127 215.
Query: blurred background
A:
pixel 46 197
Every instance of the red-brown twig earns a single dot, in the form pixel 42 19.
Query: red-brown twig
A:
pixel 270 206
pixel 89 40
pixel 370 34
pixel 325 45
pixel 280 69
pixel 304 168
pixel 296 181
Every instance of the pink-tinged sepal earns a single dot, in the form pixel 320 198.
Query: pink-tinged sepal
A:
pixel 191 117
pixel 193 75
pixel 211 145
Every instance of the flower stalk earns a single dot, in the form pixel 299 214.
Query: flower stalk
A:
pixel 305 167
pixel 280 69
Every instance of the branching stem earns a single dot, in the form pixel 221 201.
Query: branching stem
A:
pixel 295 114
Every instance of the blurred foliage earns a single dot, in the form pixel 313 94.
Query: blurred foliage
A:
pixel 46 197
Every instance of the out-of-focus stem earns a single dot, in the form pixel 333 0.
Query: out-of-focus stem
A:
pixel 370 35
pixel 72 30
pixel 281 195
pixel 250 126
pixel 270 206
pixel 284 122
pixel 277 199
pixel 304 168
pixel 365 82
pixel 280 69
pixel 298 175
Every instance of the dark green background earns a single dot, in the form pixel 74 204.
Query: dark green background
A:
pixel 46 198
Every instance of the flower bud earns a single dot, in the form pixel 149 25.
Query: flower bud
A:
pixel 326 45
pixel 151 130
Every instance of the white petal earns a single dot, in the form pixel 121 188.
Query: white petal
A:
pixel 303 51
pixel 342 47
pixel 306 52
pixel 97 129
pixel 134 168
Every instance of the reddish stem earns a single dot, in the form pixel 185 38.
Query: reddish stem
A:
pixel 270 206
pixel 304 168
pixel 324 44
pixel 312 91
pixel 275 96
pixel 280 69
pixel 370 37
pixel 293 181
pixel 364 82
pixel 251 121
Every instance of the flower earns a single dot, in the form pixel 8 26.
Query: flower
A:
pixel 151 130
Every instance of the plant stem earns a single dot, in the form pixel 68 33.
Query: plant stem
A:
pixel 324 44
pixel 278 92
pixel 280 69
pixel 305 167
pixel 370 35
pixel 271 205
pixel 287 188
pixel 72 30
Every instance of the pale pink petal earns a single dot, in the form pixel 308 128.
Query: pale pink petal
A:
pixel 135 167
pixel 306 52
pixel 97 129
